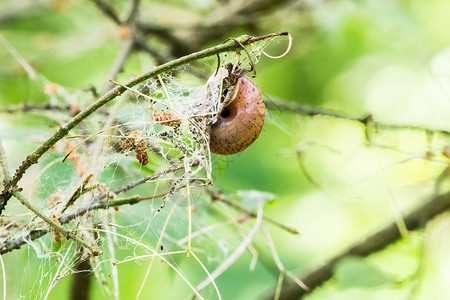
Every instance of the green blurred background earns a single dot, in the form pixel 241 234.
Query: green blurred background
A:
pixel 390 59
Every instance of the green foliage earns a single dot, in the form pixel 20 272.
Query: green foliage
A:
pixel 319 174
pixel 356 272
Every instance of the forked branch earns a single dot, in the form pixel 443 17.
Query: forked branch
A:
pixel 64 129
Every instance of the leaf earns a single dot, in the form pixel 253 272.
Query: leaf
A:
pixel 251 198
pixel 357 272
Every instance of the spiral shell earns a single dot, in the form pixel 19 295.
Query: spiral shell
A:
pixel 240 122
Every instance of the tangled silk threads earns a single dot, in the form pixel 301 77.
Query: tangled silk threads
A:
pixel 138 143
pixel 173 120
pixel 165 118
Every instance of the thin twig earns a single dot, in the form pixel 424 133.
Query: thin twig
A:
pixel 154 253
pixel 148 178
pixel 179 46
pixel 133 11
pixel 29 69
pixel 12 10
pixel 82 189
pixel 207 273
pixel 136 38
pixel 142 45
pixel 236 253
pixel 203 230
pixel 66 218
pixel 67 233
pixel 280 265
pixel 63 130
pixel 4 164
pixel 215 24
pixel 26 107
pixel 128 44
pixel 161 235
pixel 217 195
pixel 57 277
pixel 364 119
pixel 108 10
pixel 98 203
pixel 125 50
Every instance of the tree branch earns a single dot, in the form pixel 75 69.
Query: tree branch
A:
pixel 31 235
pixel 365 119
pixel 81 281
pixel 4 165
pixel 97 204
pixel 134 11
pixel 371 243
pixel 58 227
pixel 125 50
pixel 26 107
pixel 218 196
pixel 63 130
pixel 224 18
pixel 108 10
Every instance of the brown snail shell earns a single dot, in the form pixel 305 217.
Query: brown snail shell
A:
pixel 240 122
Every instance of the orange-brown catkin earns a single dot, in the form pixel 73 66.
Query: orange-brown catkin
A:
pixel 57 235
pixel 166 118
pixel 109 194
pixel 75 157
pixel 136 141
pixel 141 152
pixel 53 202
pixel 129 142
pixel 240 122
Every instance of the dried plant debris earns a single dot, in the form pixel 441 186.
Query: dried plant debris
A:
pixel 137 142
